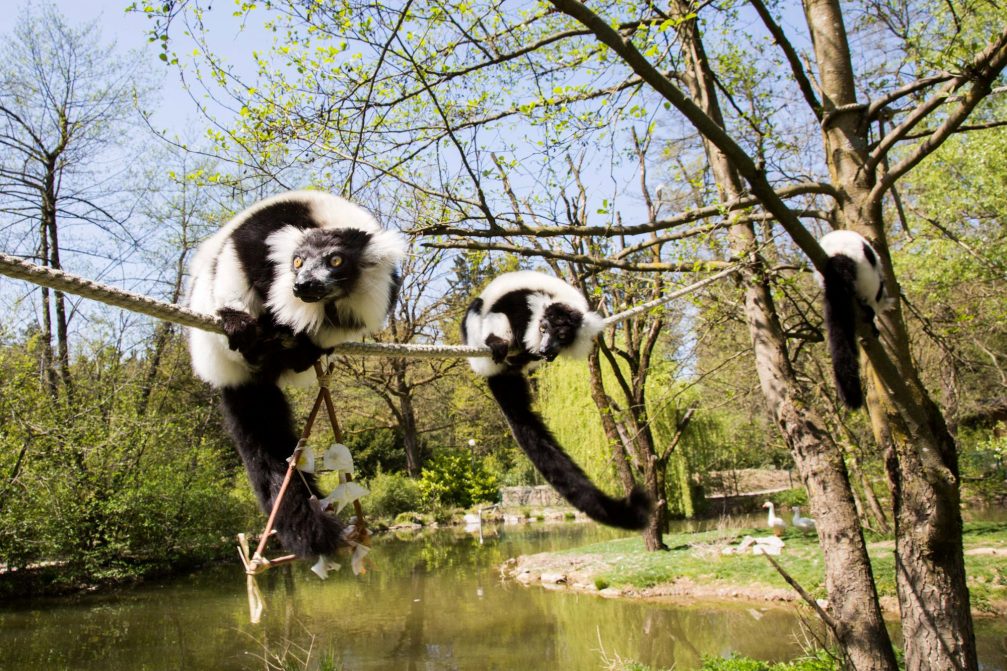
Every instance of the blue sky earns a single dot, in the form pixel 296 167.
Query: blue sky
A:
pixel 174 110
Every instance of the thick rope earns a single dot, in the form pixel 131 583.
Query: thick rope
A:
pixel 71 284
pixel 128 300
pixel 684 291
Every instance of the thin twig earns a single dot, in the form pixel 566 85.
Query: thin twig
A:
pixel 829 621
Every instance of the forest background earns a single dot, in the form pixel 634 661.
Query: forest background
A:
pixel 540 135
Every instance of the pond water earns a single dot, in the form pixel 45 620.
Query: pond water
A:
pixel 433 602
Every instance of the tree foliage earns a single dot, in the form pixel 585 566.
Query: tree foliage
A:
pixel 94 490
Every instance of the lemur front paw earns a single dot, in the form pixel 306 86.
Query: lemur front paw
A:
pixel 242 330
pixel 498 348
pixel 303 354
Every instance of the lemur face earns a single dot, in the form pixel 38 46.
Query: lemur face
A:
pixel 327 263
pixel 558 329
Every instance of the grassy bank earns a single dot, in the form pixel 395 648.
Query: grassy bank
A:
pixel 699 565
pixel 821 661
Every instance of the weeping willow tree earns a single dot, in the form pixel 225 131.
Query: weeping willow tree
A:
pixel 565 401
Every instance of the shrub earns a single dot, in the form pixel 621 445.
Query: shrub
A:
pixel 983 460
pixel 392 494
pixel 410 517
pixel 791 497
pixel 818 661
pixel 375 450
pixel 455 479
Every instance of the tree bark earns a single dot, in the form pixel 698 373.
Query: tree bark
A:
pixel 407 418
pixel 930 574
pixel 59 300
pixel 849 578
pixel 604 404
pixel 633 425
pixel 47 364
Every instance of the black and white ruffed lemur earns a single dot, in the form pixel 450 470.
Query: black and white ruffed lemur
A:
pixel 854 288
pixel 290 277
pixel 525 318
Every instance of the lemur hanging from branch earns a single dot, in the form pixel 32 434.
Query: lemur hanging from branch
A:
pixel 854 288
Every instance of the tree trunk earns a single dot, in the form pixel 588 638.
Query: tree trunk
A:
pixel 604 404
pixel 47 364
pixel 655 480
pixel 633 427
pixel 849 578
pixel 59 302
pixel 407 416
pixel 929 559
pixel 930 573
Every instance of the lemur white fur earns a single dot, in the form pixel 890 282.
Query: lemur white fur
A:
pixel 869 282
pixel 544 290
pixel 220 281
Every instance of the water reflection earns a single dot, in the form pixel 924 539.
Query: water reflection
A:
pixel 434 602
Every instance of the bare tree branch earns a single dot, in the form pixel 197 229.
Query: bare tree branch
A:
pixel 718 209
pixel 683 267
pixel 981 73
pixel 792 58
pixel 717 135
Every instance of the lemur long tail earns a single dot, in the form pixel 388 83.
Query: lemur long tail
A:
pixel 840 319
pixel 258 417
pixel 512 393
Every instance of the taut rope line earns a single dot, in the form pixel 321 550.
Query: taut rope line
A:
pixel 128 300
pixel 643 307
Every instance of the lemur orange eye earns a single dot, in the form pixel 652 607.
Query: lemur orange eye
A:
pixel 298 262
pixel 336 261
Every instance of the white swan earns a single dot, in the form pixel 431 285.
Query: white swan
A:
pixel 776 524
pixel 802 523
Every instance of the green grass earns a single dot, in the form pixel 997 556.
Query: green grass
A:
pixel 821 661
pixel 697 557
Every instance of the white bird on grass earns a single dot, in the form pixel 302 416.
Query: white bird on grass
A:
pixel 802 523
pixel 776 524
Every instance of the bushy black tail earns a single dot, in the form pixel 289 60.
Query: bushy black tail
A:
pixel 840 319
pixel 259 419
pixel 512 393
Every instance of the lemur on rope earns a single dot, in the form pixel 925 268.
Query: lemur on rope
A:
pixel 526 318
pixel 854 289
pixel 290 277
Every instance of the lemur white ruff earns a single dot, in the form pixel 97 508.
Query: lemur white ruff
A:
pixel 290 277
pixel 854 289
pixel 525 318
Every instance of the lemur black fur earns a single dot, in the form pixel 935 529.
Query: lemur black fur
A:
pixel 290 277
pixel 854 288
pixel 526 318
